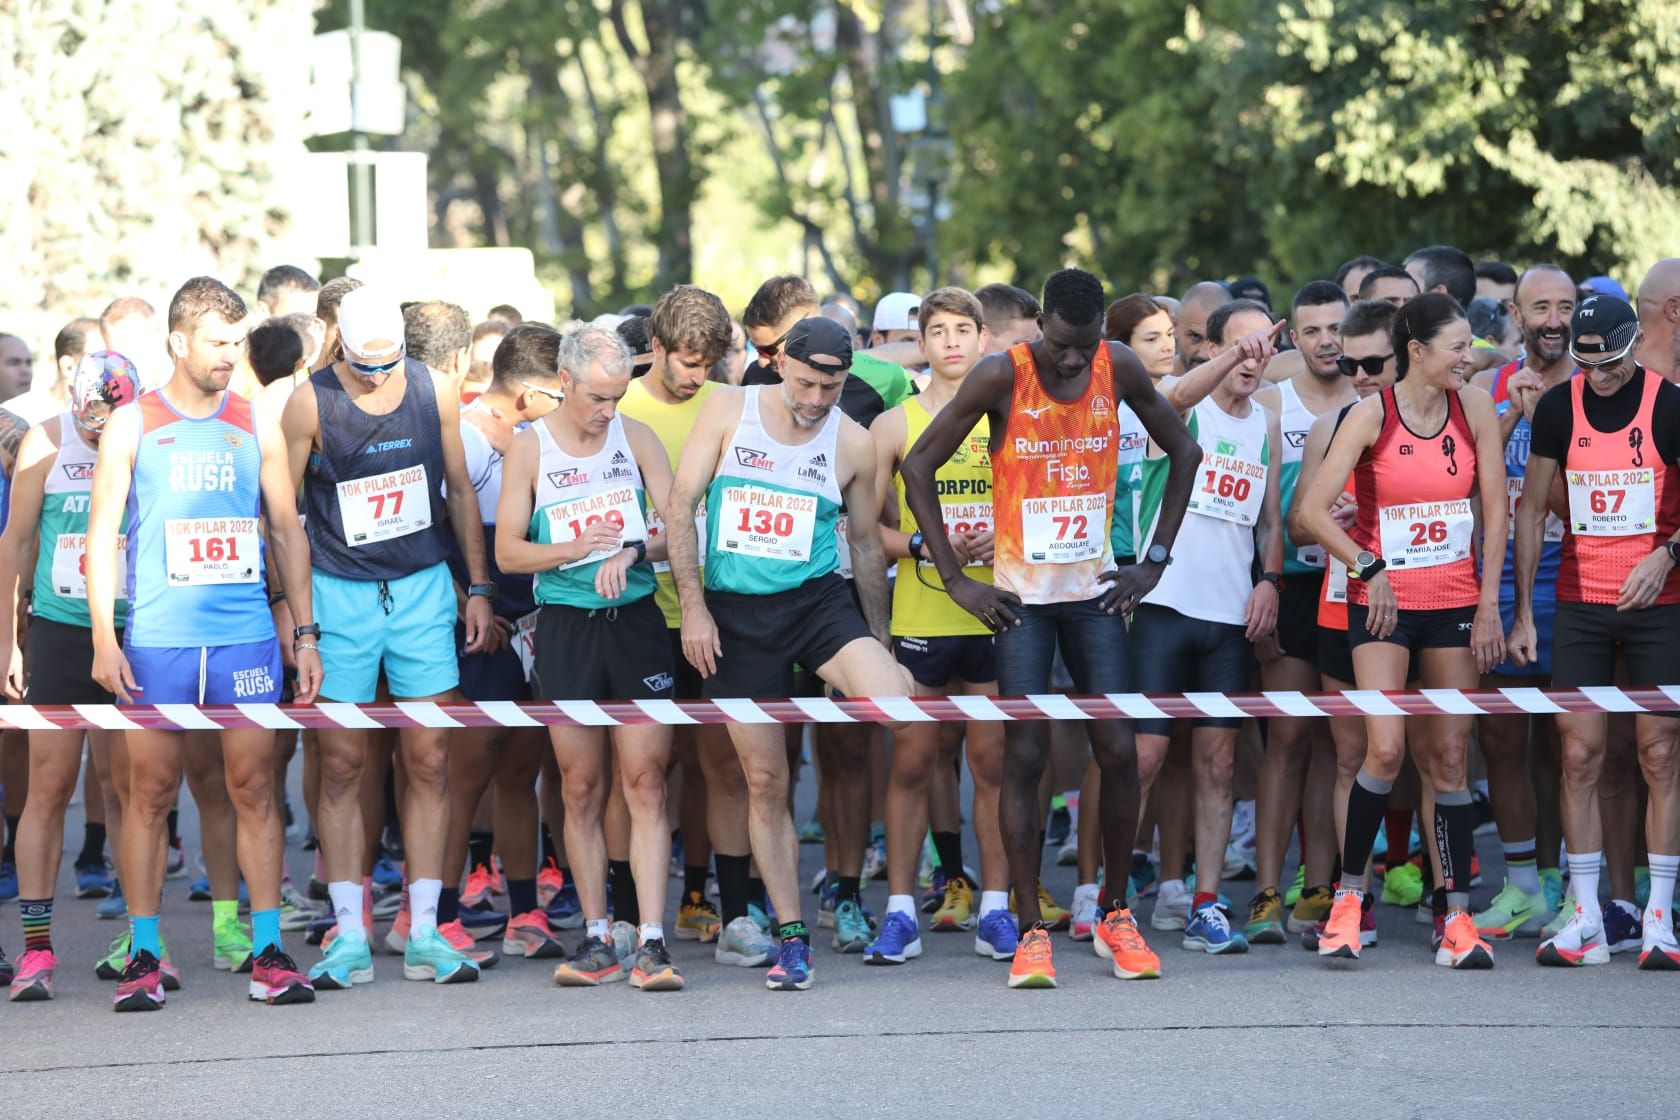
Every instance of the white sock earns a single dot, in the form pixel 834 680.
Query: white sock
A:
pixel 347 908
pixel 993 900
pixel 422 905
pixel 1524 874
pixel 902 904
pixel 1583 873
pixel 1171 886
pixel 651 931
pixel 1663 871
pixel 598 927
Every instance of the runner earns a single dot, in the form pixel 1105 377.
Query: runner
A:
pixel 194 476
pixel 1414 494
pixel 287 289
pixel 1614 435
pixel 48 398
pixel 1659 319
pixel 1353 272
pixel 578 482
pixel 1198 302
pixel 1050 407
pixel 775 466
pixel 1389 284
pixel 1012 316
pixel 372 440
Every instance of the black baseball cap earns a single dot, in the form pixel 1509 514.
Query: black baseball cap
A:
pixel 1614 323
pixel 821 344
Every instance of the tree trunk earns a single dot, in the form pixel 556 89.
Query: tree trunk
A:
pixel 888 251
pixel 656 65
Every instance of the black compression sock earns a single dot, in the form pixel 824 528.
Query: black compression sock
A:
pixel 757 893
pixel 522 895
pixel 449 905
pixel 174 830
pixel 548 845
pixel 481 848
pixel 623 884
pixel 949 847
pixel 849 888
pixel 694 879
pixel 734 886
pixel 93 844
pixel 1367 802
pixel 1455 836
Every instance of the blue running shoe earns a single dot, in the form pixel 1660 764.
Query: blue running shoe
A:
pixel 997 936
pixel 792 970
pixel 898 941
pixel 1622 930
pixel 1143 875
pixel 852 930
pixel 763 920
pixel 317 931
pixel 348 961
pixel 199 889
pixel 113 905
pixel 830 899
pixel 387 876
pixel 1210 930
pixel 8 881
pixel 483 922
pixel 565 911
pixel 94 880
pixel 934 897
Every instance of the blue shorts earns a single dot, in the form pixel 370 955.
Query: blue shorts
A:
pixel 243 674
pixel 406 625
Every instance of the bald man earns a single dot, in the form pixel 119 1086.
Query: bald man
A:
pixel 1200 301
pixel 1659 319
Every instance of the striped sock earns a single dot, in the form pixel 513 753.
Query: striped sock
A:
pixel 1521 870
pixel 37 923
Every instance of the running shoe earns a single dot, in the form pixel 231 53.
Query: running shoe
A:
pixel 1239 862
pixel 762 916
pixel 1340 935
pixel 622 936
pixel 1293 894
pixel 176 868
pixel 1312 908
pixel 1658 950
pixel 1059 826
pixel 1367 931
pixel 811 832
pixel 111 966
pixel 1475 870
pixel 998 936
pixel 1462 947
pixel 827 900
pixel 296 911
pixel 1034 965
pixel 875 860
pixel 7 972
pixel 924 865
pixel 957 913
pixel 275 980
pixel 1119 940
pixel 564 909
pixel 1622 926
pixel 1172 906
pixel 199 889
pixel 1210 931
pixel 898 941
pixel 653 971
pixel 481 884
pixel 348 961
pixel 462 942
pixel 792 970
pixel 743 943
pixel 594 963
pixel 428 956
pixel 529 935
pixel 387 876
pixel 34 979
pixel 550 880
pixel 1403 884
pixel 697 919
pixel 1513 912
pixel 934 896
pixel 1144 875
pixel 317 890
pixel 113 905
pixel 232 951
pixel 141 986
pixel 388 905
pixel 1265 919
pixel 1085 916
pixel 851 929
pixel 396 938
pixel 1067 855
pixel 482 922
pixel 94 880
pixel 1052 916
pixel 1566 911
pixel 1580 941
pixel 1551 885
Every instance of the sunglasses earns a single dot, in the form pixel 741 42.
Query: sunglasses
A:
pixel 1602 360
pixel 366 370
pixel 555 393
pixel 770 349
pixel 1373 366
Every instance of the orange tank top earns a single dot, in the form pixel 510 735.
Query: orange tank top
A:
pixel 1053 475
pixel 1624 501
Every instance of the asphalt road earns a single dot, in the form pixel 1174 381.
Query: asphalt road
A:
pixel 1274 1032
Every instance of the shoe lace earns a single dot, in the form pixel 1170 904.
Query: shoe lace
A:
pixel 955 888
pixel 1126 931
pixel 791 955
pixel 1257 908
pixel 139 964
pixel 1035 946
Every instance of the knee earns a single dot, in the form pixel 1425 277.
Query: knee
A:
pixel 644 788
pixel 1214 767
pixel 585 795
pixel 251 789
pixel 1384 755
pixel 1659 758
pixel 341 773
pixel 151 793
pixel 1447 769
pixel 764 782
pixel 913 767
pixel 427 768
pixel 1581 760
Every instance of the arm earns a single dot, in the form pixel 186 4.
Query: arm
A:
pixel 1530 535
pixel 300 422
pixel 18 545
pixel 1488 631
pixel 1312 458
pixel 888 435
pixel 612 573
pixel 1262 608
pixel 462 502
pixel 1184 393
pixel 694 474
pixel 1168 432
pixel 289 547
pixel 1358 432
pixel 515 553
pixel 113 473
pixel 869 562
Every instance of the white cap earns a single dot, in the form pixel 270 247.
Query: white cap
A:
pixel 369 315
pixel 608 321
pixel 896 311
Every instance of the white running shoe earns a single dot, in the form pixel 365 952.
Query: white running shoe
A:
pixel 743 943
pixel 1172 906
pixel 1580 941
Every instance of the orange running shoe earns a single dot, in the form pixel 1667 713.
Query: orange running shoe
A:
pixel 481 884
pixel 1033 967
pixel 1341 930
pixel 549 883
pixel 1463 947
pixel 1118 940
pixel 463 942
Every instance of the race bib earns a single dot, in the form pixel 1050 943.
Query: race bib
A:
pixel 382 507
pixel 769 524
pixel 965 517
pixel 1064 530
pixel 1513 494
pixel 1230 489
pixel 205 551
pixel 1426 534
pixel 1335 582
pixel 1612 503
pixel 69 565
pixel 656 528
pixel 618 507
pixel 525 641
pixel 843 545
pixel 1312 555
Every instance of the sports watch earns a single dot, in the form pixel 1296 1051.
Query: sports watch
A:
pixel 299 633
pixel 915 546
pixel 1158 554
pixel 482 591
pixel 1366 565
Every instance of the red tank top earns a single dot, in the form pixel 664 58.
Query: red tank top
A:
pixel 1624 501
pixel 1414 510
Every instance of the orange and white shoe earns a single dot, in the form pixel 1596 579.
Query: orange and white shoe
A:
pixel 1117 939
pixel 1033 966
pixel 1462 946
pixel 529 935
pixel 456 935
pixel 1580 941
pixel 1659 953
pixel 1340 937
pixel 480 885
pixel 396 938
pixel 550 882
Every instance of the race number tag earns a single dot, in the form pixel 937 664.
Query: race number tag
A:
pixel 1335 582
pixel 618 507
pixel 525 641
pixel 769 524
pixel 205 551
pixel 1513 494
pixel 656 528
pixel 843 545
pixel 965 517
pixel 1064 530
pixel 69 565
pixel 1426 534
pixel 1612 503
pixel 384 506
pixel 1313 556
pixel 1229 488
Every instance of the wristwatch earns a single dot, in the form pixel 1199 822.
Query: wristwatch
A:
pixel 299 633
pixel 482 591
pixel 1366 565
pixel 1273 578
pixel 1158 554
pixel 1673 551
pixel 641 550
pixel 916 542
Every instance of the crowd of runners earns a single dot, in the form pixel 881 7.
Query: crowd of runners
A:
pixel 332 495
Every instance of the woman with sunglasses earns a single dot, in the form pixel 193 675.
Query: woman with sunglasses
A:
pixel 1421 454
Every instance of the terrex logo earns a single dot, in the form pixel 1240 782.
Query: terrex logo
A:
pixel 78 472
pixel 571 476
pixel 388 445
pixel 754 460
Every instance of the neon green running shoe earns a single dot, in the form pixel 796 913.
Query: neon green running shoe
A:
pixel 1293 894
pixel 1403 885
pixel 115 960
pixel 1513 913
pixel 233 946
pixel 1565 911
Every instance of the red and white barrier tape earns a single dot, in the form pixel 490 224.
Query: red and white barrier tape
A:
pixel 1664 699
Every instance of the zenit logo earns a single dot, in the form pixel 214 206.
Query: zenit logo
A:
pixel 1133 441
pixel 754 460
pixel 1296 439
pixel 571 476
pixel 816 470
pixel 78 472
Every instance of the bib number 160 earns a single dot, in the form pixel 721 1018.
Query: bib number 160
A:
pixel 1226 485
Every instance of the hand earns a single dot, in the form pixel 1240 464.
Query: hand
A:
pixel 1487 637
pixel 599 537
pixel 111 671
pixel 1345 511
pixel 1129 585
pixel 1523 644
pixel 283 626
pixel 1645 582
pixel 500 635
pixel 1267 649
pixel 959 545
pixel 1260 615
pixel 479 619
pixel 610 574
pixel 1258 348
pixel 1525 388
pixel 980 544
pixel 1382 611
pixel 309 676
pixel 15 683
pixel 700 642
pixel 993 606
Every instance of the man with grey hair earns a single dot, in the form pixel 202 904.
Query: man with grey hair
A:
pixel 576 487
pixel 441 335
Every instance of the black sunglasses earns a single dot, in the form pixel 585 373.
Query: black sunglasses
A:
pixel 769 349
pixel 1373 366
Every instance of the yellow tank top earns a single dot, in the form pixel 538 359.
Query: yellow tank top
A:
pixel 964 484
pixel 671 423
